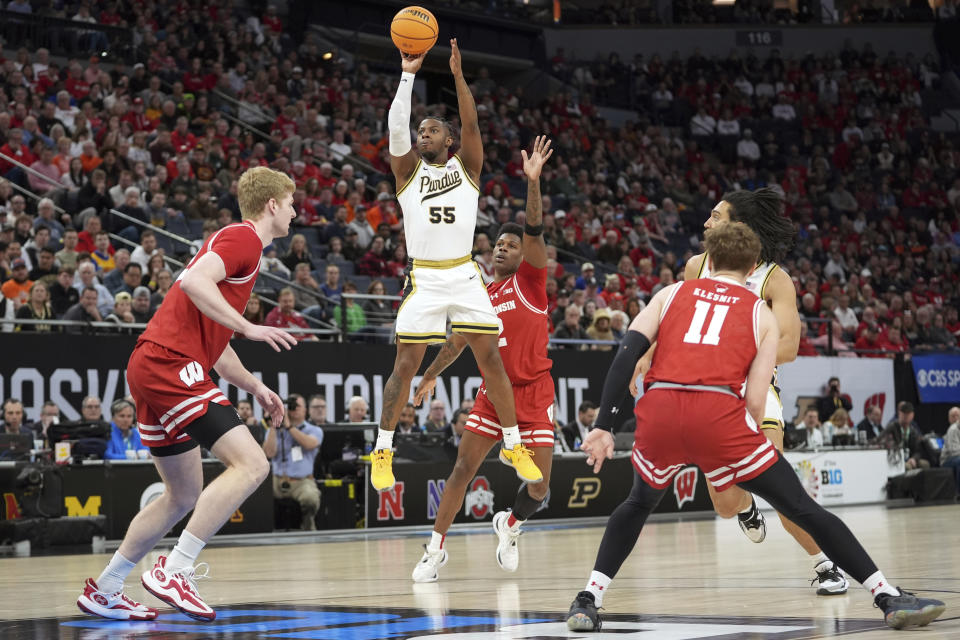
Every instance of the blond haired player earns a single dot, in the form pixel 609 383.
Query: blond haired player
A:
pixel 438 196
pixel 179 408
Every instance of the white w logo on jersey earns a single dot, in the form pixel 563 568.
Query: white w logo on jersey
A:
pixel 191 374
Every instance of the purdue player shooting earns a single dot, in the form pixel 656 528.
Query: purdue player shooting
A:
pixel 438 196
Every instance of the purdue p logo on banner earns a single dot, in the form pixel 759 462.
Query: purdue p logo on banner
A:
pixel 583 491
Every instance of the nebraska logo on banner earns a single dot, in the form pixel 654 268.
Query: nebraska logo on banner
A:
pixel 391 503
pixel 685 486
pixel 479 499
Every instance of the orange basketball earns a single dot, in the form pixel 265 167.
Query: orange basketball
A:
pixel 414 30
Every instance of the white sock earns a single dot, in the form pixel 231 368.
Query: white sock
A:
pixel 436 542
pixel 511 436
pixel 116 571
pixel 818 559
pixel 185 553
pixel 597 585
pixel 877 584
pixel 384 439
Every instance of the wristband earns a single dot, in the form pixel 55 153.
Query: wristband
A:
pixel 533 231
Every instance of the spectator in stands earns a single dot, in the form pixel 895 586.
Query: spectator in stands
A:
pixel 374 262
pixel 571 329
pixel 85 310
pixel 437 417
pixel 847 317
pixel 575 432
pixel 63 295
pixel 37 307
pixel 13 418
pixel 253 312
pixel 379 313
pixel 317 409
pixel 122 310
pixel 141 306
pixel 292 447
pixel 811 422
pixel 257 427
pixel 356 319
pixel 132 278
pixel 147 249
pixel 903 434
pixel 871 425
pixel 46 216
pixel 67 256
pixel 49 416
pixel 408 420
pixel 45 266
pixel 17 288
pixel 357 410
pixel 836 431
pixel 832 400
pixel 124 441
pixel 600 329
pixel 361 226
pixel 102 255
pixel 302 277
pixel 297 253
pixel 285 316
pixel 457 426
pixel 950 454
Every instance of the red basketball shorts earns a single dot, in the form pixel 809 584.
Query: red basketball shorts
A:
pixel 170 391
pixel 534 404
pixel 706 428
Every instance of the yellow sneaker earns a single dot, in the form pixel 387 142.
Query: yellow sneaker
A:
pixel 521 459
pixel 381 473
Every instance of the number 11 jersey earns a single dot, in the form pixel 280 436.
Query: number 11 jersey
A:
pixel 439 204
pixel 708 335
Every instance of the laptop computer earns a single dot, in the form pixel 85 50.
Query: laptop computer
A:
pixel 15 446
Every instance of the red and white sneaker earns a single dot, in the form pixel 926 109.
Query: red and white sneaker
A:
pixel 179 589
pixel 114 606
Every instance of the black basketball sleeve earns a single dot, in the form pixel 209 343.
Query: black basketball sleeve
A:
pixel 631 349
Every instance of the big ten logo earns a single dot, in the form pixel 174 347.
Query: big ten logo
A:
pixel 479 499
pixel 191 374
pixel 583 491
pixel 76 510
pixel 808 477
pixel 685 486
pixel 391 503
pixel 831 474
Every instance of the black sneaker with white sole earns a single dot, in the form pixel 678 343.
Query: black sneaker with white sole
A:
pixel 583 614
pixel 907 610
pixel 753 524
pixel 831 581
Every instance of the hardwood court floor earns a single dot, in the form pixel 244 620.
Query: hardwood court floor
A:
pixel 683 580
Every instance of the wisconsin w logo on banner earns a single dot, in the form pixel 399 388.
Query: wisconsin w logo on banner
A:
pixel 685 486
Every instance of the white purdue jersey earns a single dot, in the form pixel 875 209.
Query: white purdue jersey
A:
pixel 439 204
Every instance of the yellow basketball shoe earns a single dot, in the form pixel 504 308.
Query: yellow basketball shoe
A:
pixel 381 474
pixel 521 459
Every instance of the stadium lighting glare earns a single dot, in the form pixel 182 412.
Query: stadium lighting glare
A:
pixel 723 3
pixel 328 55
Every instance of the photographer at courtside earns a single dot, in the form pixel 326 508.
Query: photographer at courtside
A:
pixel 833 400
pixel 292 448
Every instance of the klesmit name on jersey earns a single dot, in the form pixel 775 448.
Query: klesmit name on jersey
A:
pixel 715 297
pixel 431 188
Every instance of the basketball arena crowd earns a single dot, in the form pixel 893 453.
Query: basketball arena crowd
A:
pixel 162 136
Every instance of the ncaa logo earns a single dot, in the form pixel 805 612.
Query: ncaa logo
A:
pixel 685 486
pixel 583 491
pixel 479 499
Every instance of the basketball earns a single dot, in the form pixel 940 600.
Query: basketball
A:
pixel 414 30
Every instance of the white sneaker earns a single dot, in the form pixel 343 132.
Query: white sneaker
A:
pixel 831 580
pixel 179 589
pixel 427 570
pixel 753 525
pixel 508 555
pixel 114 606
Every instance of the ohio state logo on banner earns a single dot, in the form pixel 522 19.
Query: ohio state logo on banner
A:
pixel 391 503
pixel 685 486
pixel 479 499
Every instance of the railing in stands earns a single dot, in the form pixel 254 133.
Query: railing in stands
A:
pixel 62 36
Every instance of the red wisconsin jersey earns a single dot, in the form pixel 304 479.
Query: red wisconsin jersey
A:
pixel 179 326
pixel 708 335
pixel 520 302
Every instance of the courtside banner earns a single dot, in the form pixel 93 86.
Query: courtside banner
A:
pixel 66 367
pixel 866 380
pixel 938 377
